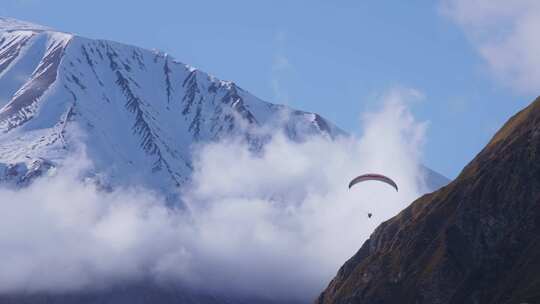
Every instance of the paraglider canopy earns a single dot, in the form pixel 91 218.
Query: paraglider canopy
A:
pixel 375 177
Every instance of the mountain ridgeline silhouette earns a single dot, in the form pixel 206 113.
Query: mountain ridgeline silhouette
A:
pixel 476 240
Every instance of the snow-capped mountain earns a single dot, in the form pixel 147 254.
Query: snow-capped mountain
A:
pixel 137 111
pixel 137 114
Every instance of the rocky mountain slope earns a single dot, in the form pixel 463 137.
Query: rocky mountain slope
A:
pixel 476 240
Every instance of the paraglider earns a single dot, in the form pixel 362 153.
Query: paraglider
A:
pixel 375 177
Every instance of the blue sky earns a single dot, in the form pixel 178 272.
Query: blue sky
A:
pixel 335 58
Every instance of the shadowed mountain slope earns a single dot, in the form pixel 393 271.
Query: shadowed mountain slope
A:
pixel 476 240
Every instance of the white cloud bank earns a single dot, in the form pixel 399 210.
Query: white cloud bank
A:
pixel 506 35
pixel 277 224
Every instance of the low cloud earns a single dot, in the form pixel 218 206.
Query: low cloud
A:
pixel 505 35
pixel 276 223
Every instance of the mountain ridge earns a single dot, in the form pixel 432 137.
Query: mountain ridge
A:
pixel 137 109
pixel 473 241
pixel 51 80
pixel 137 114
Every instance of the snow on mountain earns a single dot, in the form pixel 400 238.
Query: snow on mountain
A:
pixel 138 112
pixel 10 24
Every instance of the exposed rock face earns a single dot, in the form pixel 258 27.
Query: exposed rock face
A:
pixel 21 174
pixel 476 240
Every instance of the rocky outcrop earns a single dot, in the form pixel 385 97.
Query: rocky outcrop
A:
pixel 476 240
pixel 22 174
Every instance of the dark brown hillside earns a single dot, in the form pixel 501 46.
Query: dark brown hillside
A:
pixel 476 240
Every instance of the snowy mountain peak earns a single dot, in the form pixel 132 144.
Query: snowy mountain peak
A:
pixel 137 111
pixel 10 24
